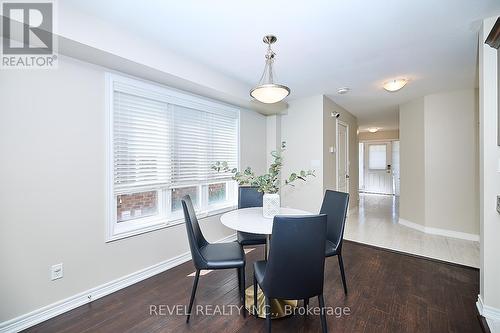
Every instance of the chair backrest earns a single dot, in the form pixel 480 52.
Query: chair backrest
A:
pixel 195 236
pixel 249 196
pixel 296 264
pixel 335 207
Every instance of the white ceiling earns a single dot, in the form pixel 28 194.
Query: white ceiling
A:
pixel 322 45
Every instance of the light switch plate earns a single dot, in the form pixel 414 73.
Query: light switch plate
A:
pixel 56 272
pixel 498 203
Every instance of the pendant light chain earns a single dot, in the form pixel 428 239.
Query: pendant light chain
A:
pixel 267 91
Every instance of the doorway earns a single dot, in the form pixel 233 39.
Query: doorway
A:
pixel 379 167
pixel 342 157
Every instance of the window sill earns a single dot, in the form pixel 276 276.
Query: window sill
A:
pixel 161 224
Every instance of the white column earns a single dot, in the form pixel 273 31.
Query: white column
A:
pixel 489 297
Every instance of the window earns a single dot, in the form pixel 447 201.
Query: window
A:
pixel 162 145
pixel 377 155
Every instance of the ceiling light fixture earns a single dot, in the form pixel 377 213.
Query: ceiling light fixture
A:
pixel 373 130
pixel 395 85
pixel 343 90
pixel 267 91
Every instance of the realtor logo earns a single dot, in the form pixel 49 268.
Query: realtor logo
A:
pixel 28 40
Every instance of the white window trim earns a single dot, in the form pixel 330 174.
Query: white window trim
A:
pixel 114 230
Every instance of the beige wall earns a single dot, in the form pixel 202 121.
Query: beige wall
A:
pixel 412 167
pixel 439 161
pixel 309 132
pixel 451 151
pixel 489 176
pixel 52 143
pixel 380 135
pixel 302 129
pixel 330 137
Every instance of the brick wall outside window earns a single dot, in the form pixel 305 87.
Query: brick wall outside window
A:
pixel 133 206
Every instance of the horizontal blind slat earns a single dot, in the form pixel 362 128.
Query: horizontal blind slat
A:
pixel 160 144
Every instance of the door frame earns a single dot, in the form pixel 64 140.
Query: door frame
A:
pixel 366 158
pixel 348 163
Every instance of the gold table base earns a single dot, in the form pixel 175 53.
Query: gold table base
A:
pixel 278 306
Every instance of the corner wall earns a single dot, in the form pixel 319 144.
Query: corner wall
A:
pixel 439 167
pixel 330 140
pixel 309 132
pixel 489 298
pixel 412 166
pixel 302 130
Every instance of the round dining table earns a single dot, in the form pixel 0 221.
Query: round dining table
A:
pixel 253 221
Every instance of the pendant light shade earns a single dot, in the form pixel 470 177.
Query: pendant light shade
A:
pixel 267 91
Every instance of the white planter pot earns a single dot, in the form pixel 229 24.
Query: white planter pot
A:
pixel 271 205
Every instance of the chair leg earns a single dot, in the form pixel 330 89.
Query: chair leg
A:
pixel 193 292
pixel 306 304
pixel 242 289
pixel 322 313
pixel 268 314
pixel 255 309
pixel 342 273
pixel 239 280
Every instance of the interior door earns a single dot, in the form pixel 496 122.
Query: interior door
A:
pixel 378 168
pixel 342 157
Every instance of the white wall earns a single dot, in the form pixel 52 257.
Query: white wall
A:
pixel 489 176
pixel 309 132
pixel 439 162
pixel 52 143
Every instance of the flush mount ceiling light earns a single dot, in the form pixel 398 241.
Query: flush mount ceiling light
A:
pixel 373 130
pixel 267 91
pixel 343 90
pixel 395 85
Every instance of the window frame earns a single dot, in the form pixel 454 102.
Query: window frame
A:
pixel 165 218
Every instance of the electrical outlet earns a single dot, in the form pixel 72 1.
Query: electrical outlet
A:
pixel 498 203
pixel 56 272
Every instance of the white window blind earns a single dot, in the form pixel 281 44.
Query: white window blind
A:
pixel 377 157
pixel 163 141
pixel 142 143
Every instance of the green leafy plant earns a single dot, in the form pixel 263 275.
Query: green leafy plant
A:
pixel 266 183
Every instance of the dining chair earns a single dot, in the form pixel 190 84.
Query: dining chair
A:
pixel 296 264
pixel 211 256
pixel 335 208
pixel 249 196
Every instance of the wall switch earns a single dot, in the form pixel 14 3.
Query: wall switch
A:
pixel 498 203
pixel 56 272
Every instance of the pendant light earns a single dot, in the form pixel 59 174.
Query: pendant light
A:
pixel 267 91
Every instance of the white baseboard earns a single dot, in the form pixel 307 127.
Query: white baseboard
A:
pixel 491 314
pixel 440 232
pixel 39 315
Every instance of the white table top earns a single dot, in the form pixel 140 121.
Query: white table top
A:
pixel 252 220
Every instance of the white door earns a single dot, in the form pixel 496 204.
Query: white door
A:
pixel 342 157
pixel 378 173
pixel 395 167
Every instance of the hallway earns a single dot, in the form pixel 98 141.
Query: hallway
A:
pixel 376 223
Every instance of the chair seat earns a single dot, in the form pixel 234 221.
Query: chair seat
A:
pixel 223 255
pixel 331 249
pixel 259 268
pixel 246 238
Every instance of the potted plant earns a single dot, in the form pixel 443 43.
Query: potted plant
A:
pixel 268 183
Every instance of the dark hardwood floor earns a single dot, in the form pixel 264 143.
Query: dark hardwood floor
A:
pixel 388 292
